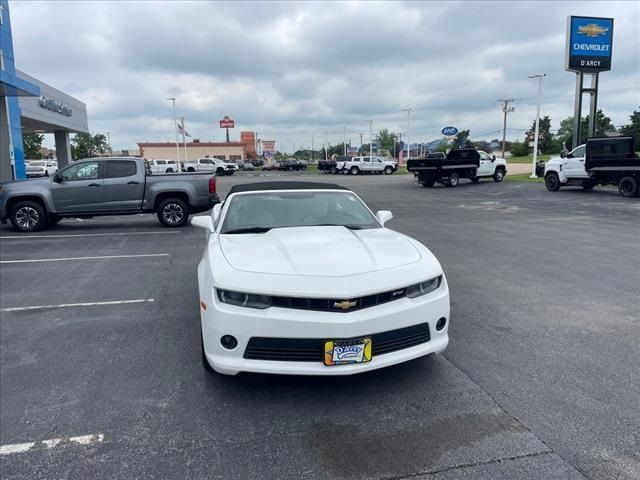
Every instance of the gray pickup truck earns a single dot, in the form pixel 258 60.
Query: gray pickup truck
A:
pixel 105 186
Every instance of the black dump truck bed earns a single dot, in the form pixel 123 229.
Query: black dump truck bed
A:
pixel 608 154
pixel 456 158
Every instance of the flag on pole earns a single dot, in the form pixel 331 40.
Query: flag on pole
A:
pixel 182 131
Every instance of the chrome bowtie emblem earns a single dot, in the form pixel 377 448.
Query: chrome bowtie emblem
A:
pixel 345 304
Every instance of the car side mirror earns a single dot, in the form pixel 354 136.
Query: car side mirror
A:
pixel 203 221
pixel 562 155
pixel 215 213
pixel 384 216
pixel 57 178
pixel 493 157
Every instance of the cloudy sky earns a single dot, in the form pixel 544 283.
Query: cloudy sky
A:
pixel 292 70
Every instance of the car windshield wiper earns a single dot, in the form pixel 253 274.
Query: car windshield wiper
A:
pixel 248 230
pixel 350 227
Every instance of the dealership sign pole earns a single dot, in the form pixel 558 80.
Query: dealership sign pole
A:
pixel 227 123
pixel 589 48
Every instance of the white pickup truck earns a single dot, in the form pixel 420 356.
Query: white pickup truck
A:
pixel 357 165
pixel 211 165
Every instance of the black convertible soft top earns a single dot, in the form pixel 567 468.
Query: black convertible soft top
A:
pixel 262 186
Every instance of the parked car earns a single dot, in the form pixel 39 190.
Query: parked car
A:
pixel 356 165
pixel 162 166
pixel 105 186
pixel 211 165
pixel 458 163
pixel 271 166
pixel 247 166
pixel 601 161
pixel 269 305
pixel 41 168
pixel 291 165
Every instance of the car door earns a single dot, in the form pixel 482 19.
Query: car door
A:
pixel 573 164
pixel 366 164
pixel 206 165
pixel 78 188
pixel 486 165
pixel 123 186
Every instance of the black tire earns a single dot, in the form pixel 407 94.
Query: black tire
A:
pixel 28 216
pixel 475 179
pixel 498 175
pixel 54 219
pixel 191 169
pixel 453 180
pixel 169 170
pixel 354 171
pixel 429 182
pixel 333 170
pixel 552 182
pixel 628 187
pixel 388 170
pixel 46 173
pixel 220 171
pixel 205 363
pixel 588 185
pixel 173 212
pixel 228 173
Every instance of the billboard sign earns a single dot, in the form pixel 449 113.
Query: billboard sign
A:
pixel 226 122
pixel 589 44
pixel 449 131
pixel 268 148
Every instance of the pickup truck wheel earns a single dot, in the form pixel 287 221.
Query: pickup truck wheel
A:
pixel 388 170
pixel 354 171
pixel 220 171
pixel 428 183
pixel 552 182
pixel 588 185
pixel 453 180
pixel 173 212
pixel 475 179
pixel 498 175
pixel 169 170
pixel 628 187
pixel 27 216
pixel 191 169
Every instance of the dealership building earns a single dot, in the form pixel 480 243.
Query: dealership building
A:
pixel 28 105
pixel 245 149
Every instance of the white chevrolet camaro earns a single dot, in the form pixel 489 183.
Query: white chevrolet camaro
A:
pixel 302 278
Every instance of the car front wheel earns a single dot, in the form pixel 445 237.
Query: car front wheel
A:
pixel 28 216
pixel 498 176
pixel 628 187
pixel 552 182
pixel 453 180
pixel 354 171
pixel 388 170
pixel 173 212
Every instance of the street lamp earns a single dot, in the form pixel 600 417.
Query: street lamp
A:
pixel 175 126
pixel 539 76
pixel 344 141
pixel 408 110
pixel 371 140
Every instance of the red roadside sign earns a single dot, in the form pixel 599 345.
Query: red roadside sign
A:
pixel 226 122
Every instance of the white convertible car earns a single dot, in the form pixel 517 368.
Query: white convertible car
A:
pixel 302 278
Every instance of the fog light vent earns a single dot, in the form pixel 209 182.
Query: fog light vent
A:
pixel 441 323
pixel 229 342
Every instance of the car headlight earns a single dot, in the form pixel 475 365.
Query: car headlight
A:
pixel 423 288
pixel 241 299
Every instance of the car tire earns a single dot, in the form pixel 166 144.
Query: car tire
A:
pixel 428 182
pixel 46 173
pixel 205 363
pixel 354 171
pixel 28 216
pixel 588 185
pixel 191 169
pixel 173 212
pixel 628 187
pixel 498 175
pixel 552 182
pixel 388 170
pixel 453 180
pixel 169 170
pixel 475 179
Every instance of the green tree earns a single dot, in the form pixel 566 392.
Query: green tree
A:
pixel 519 149
pixel 386 139
pixel 603 125
pixel 85 145
pixel 462 140
pixel 633 129
pixel 545 137
pixel 32 144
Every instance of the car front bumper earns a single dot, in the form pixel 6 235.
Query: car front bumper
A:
pixel 244 323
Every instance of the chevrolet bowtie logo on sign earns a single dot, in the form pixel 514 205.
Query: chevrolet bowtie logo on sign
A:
pixel 592 30
pixel 345 304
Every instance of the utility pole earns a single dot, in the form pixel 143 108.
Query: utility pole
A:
pixel 370 139
pixel 175 126
pixel 361 134
pixel 326 147
pixel 312 147
pixel 506 109
pixel 539 76
pixel 408 110
pixel 344 140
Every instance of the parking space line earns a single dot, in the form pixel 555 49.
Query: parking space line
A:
pixel 105 257
pixel 48 444
pixel 76 235
pixel 86 304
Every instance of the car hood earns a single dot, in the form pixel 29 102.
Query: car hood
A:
pixel 318 251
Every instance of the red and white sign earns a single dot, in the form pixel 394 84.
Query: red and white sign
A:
pixel 226 122
pixel 268 145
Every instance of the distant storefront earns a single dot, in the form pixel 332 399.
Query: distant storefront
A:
pixel 233 151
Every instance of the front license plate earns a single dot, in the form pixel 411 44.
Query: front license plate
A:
pixel 343 352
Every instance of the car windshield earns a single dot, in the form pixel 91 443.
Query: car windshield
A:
pixel 36 164
pixel 262 211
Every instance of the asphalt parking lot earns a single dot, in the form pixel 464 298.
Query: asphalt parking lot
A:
pixel 541 379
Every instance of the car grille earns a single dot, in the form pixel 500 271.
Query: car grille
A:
pixel 312 349
pixel 329 304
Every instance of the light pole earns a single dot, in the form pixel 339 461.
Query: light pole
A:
pixel 408 110
pixel 371 140
pixel 175 126
pixel 539 76
pixel 312 145
pixel 293 149
pixel 344 140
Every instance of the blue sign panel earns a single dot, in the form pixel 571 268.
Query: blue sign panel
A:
pixel 449 131
pixel 589 44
